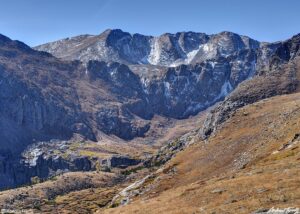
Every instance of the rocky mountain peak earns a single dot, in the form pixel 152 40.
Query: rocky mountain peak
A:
pixel 115 34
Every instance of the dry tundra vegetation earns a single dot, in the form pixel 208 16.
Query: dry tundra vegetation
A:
pixel 251 163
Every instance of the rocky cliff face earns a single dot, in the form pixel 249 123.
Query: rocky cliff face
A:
pixel 117 82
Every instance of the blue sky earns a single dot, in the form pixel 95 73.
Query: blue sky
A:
pixel 38 21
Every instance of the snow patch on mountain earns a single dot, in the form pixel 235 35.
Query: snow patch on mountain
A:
pixel 191 55
pixel 154 56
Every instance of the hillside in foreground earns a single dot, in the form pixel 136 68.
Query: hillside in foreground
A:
pixel 252 163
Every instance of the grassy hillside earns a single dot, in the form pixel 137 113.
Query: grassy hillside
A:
pixel 251 163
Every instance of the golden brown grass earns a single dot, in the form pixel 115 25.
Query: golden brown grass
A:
pixel 236 170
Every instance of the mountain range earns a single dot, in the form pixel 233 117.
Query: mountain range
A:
pixel 129 91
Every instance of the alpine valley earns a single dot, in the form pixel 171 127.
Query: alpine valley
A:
pixel 129 123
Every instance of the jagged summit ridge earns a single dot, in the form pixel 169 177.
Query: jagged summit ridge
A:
pixel 164 50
